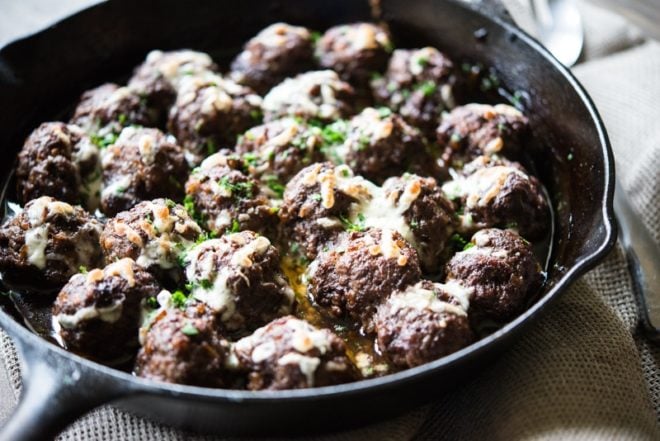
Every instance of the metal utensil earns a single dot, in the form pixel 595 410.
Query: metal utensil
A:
pixel 560 29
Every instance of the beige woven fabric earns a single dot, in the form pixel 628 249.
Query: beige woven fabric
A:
pixel 584 372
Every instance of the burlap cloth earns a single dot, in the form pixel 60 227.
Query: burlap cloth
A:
pixel 585 372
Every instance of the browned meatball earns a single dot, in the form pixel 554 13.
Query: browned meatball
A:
pixel 362 269
pixel 289 353
pixel 183 346
pixel 317 203
pixel 419 84
pixel 501 196
pixel 485 161
pixel 97 313
pixel 158 78
pixel 479 129
pixel 355 51
pixel 239 277
pixel 500 267
pixel 210 112
pixel 143 164
pixel 57 160
pixel 156 234
pixel 223 198
pixel 277 52
pixel 380 144
pixel 423 322
pixel 276 151
pixel 428 215
pixel 108 108
pixel 317 95
pixel 47 243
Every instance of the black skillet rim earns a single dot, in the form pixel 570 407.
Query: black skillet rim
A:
pixel 585 263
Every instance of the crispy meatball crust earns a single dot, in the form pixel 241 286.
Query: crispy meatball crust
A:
pixel 423 322
pixel 360 271
pixel 429 215
pixel 274 152
pixel 56 160
pixel 380 144
pixel 184 347
pixel 277 52
pixel 319 95
pixel 158 78
pixel 355 51
pixel 501 268
pixel 227 199
pixel 143 164
pixel 47 242
pixel 315 201
pixel 110 108
pixel 501 196
pixel 479 129
pixel 210 112
pixel 239 277
pixel 289 353
pixel 97 314
pixel 419 84
pixel 153 233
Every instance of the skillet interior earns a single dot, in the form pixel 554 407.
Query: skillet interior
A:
pixel 40 73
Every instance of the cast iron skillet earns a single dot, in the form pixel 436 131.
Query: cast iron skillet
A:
pixel 44 72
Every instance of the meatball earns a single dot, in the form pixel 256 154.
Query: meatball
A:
pixel 486 161
pixel 500 267
pixel 362 269
pixel 143 164
pixel 183 346
pixel 479 129
pixel 239 277
pixel 210 112
pixel 317 203
pixel 289 353
pixel 355 51
pixel 423 322
pixel 277 52
pixel 223 198
pixel 429 217
pixel 47 243
pixel 155 234
pixel 501 196
pixel 57 160
pixel 97 313
pixel 380 144
pixel 276 151
pixel 108 108
pixel 317 95
pixel 158 78
pixel 419 84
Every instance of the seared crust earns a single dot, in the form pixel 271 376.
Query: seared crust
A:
pixel 275 53
pixel 501 269
pixel 47 243
pixel 360 271
pixel 289 353
pixel 97 313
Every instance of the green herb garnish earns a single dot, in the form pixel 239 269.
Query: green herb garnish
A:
pixel 189 329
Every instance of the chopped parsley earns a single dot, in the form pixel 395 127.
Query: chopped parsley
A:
pixel 250 158
pixel 122 119
pixel 427 88
pixel 274 184
pixel 179 299
pixel 316 197
pixel 152 302
pixel 189 205
pixel 458 242
pixel 384 112
pixel 353 226
pixel 256 114
pixel 315 36
pixel 211 147
pixel 82 269
pixel 104 141
pixel 242 190
pixel 335 133
pixel 235 227
pixel 189 329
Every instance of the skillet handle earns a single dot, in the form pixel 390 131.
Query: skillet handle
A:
pixel 56 391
